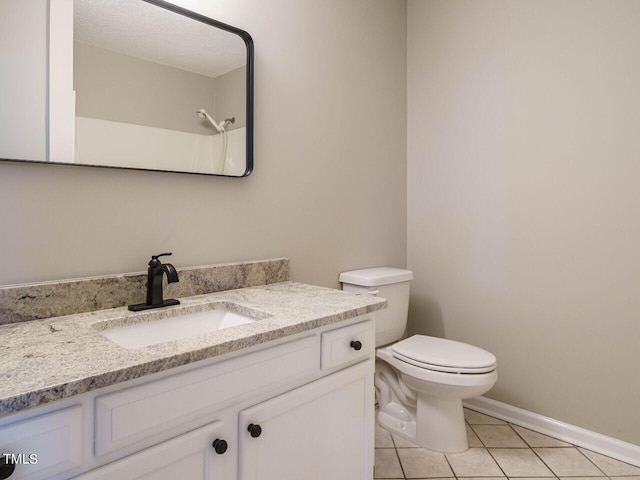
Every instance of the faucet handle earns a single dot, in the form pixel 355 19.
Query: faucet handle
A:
pixel 154 259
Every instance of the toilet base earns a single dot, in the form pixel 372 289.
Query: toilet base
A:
pixel 402 428
pixel 433 422
pixel 438 424
pixel 441 424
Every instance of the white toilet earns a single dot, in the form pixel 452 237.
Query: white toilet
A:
pixel 420 381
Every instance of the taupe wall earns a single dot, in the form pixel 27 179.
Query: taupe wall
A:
pixel 231 91
pixel 117 87
pixel 329 185
pixel 523 205
pixel 121 88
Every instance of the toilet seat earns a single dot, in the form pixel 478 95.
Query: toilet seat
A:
pixel 442 355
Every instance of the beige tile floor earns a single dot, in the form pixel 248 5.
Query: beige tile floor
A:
pixel 498 450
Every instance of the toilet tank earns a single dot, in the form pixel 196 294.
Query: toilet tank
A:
pixel 393 285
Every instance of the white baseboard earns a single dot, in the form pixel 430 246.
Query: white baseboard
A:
pixel 611 447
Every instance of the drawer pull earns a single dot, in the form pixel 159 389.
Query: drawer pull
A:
pixel 356 345
pixel 220 446
pixel 255 430
pixel 6 467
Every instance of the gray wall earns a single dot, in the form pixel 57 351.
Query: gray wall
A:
pixel 523 206
pixel 231 91
pixel 329 186
pixel 121 88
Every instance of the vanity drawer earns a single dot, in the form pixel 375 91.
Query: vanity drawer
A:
pixel 347 344
pixel 165 407
pixel 45 445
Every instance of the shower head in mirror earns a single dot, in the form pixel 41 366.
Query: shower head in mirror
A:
pixel 202 113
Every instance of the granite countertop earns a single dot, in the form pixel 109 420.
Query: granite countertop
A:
pixel 46 360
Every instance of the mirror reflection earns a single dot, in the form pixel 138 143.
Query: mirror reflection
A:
pixel 150 88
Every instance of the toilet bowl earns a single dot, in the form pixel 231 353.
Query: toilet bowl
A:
pixel 420 381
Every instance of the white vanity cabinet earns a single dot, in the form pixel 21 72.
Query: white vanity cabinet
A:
pixel 308 397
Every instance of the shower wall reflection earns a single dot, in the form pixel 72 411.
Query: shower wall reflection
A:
pixel 118 144
pixel 147 118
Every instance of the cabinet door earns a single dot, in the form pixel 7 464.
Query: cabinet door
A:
pixel 190 456
pixel 44 446
pixel 322 431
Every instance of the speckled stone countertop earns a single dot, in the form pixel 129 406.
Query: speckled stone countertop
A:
pixel 21 303
pixel 46 360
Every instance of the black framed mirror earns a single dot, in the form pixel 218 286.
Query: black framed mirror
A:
pixel 134 84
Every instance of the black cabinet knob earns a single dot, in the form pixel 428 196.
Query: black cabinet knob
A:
pixel 255 430
pixel 6 467
pixel 220 446
pixel 356 345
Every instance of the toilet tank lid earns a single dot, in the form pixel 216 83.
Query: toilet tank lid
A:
pixel 374 277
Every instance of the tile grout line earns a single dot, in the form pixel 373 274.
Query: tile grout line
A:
pixel 530 447
pixel 570 445
pixel 489 451
pixel 592 462
pixel 395 448
pixel 455 475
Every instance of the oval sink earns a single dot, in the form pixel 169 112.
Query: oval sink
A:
pixel 174 328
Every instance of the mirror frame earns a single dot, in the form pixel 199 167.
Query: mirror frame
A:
pixel 249 97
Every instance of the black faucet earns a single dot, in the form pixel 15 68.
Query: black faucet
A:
pixel 156 271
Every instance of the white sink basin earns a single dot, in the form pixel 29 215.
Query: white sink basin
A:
pixel 174 328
